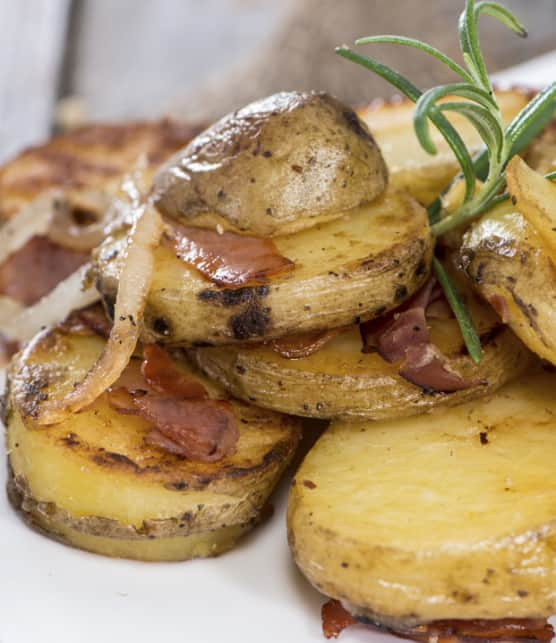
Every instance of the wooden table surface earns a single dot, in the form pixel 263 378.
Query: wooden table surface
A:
pixel 121 59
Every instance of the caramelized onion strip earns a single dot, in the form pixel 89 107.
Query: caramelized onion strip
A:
pixel 18 323
pixel 67 231
pixel 31 221
pixel 134 283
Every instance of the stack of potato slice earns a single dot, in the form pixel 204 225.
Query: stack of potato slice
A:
pixel 294 237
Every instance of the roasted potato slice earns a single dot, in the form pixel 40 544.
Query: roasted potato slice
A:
pixel 340 381
pixel 510 266
pixel 276 166
pixel 535 198
pixel 93 483
pixel 353 268
pixel 408 164
pixel 94 157
pixel 448 515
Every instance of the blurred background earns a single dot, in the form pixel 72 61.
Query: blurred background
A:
pixel 70 61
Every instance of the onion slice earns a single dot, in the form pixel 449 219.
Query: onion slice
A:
pixel 134 284
pixel 32 220
pixel 21 324
pixel 50 215
pixel 66 231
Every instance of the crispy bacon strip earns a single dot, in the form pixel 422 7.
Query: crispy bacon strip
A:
pixel 335 619
pixel 36 268
pixel 204 430
pixel 404 335
pixel 303 344
pixel 425 366
pixel 507 630
pixel 184 421
pixel 228 259
pixel 87 321
pixel 161 374
pixel 157 439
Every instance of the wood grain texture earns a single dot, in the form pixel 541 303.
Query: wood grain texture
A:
pixel 33 41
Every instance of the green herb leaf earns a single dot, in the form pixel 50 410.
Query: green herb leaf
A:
pixel 401 83
pixel 487 127
pixel 526 126
pixel 470 47
pixel 502 14
pixel 422 46
pixel 466 324
pixel 407 88
pixel 532 119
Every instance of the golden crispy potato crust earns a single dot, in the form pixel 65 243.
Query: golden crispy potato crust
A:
pixel 457 505
pixel 62 477
pixel 91 157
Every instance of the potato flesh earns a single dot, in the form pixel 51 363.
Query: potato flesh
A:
pixel 76 485
pixel 351 267
pixel 410 167
pixel 176 548
pixel 535 198
pixel 506 257
pixel 101 480
pixel 449 515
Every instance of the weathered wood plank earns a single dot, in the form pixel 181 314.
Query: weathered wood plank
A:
pixel 33 40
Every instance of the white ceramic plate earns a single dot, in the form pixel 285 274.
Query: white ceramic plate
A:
pixel 254 594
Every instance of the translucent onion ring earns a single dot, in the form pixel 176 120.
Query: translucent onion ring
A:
pixel 134 284
pixel 32 220
pixel 66 232
pixel 21 324
pixel 49 215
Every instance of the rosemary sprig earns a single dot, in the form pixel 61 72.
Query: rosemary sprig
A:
pixel 468 330
pixel 474 99
pixel 479 106
pixel 527 125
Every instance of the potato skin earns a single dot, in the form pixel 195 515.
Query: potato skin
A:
pixel 278 165
pixel 415 520
pixel 63 476
pixel 164 540
pixel 340 382
pixel 506 258
pixel 351 269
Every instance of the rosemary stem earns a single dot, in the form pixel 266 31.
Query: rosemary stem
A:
pixel 469 331
pixel 488 204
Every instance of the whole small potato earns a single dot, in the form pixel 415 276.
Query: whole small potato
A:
pixel 279 165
